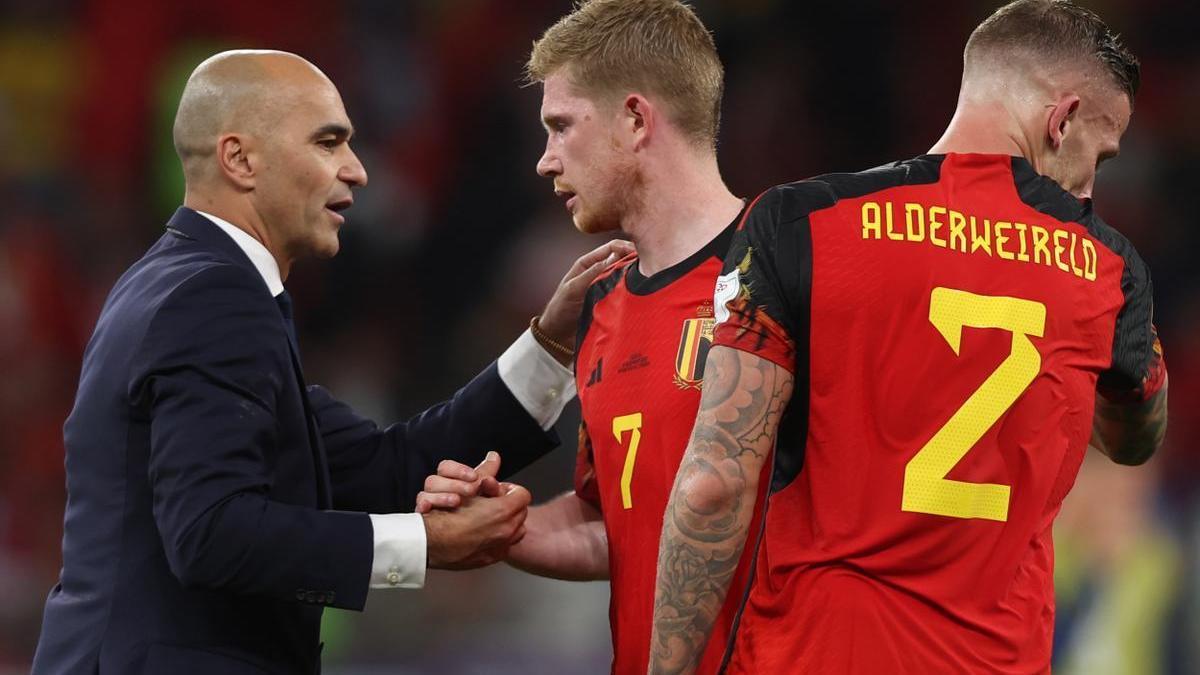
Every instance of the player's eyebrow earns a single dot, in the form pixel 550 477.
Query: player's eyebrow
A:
pixel 553 120
pixel 341 131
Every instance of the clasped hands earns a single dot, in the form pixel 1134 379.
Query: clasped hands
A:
pixel 471 518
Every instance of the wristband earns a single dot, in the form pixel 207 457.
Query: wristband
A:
pixel 548 342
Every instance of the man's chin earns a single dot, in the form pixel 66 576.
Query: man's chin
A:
pixel 327 248
pixel 588 225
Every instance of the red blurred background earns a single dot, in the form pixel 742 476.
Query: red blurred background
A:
pixel 456 242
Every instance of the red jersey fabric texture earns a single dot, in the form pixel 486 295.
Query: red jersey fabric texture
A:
pixel 642 346
pixel 948 320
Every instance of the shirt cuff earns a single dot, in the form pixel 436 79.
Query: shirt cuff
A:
pixel 399 551
pixel 541 384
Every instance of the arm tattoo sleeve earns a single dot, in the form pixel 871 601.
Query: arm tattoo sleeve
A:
pixel 704 528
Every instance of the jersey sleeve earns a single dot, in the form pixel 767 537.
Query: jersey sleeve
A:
pixel 1137 371
pixel 760 295
pixel 585 470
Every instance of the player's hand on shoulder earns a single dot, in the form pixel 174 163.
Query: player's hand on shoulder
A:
pixel 560 319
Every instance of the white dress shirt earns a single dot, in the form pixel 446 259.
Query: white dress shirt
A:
pixel 541 384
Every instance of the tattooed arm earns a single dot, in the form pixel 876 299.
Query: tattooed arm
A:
pixel 704 528
pixel 1129 432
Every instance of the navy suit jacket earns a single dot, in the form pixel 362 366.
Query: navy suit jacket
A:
pixel 201 534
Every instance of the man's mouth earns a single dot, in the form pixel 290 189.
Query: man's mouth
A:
pixel 570 197
pixel 335 207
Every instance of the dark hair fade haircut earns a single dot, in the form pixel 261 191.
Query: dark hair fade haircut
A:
pixel 1057 29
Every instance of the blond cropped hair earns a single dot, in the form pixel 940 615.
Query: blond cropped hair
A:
pixel 609 48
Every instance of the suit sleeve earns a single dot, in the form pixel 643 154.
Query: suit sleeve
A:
pixel 209 376
pixel 381 470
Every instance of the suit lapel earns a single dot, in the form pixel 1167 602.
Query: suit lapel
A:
pixel 324 499
pixel 191 225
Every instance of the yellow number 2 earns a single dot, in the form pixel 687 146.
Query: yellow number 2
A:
pixel 632 422
pixel 926 488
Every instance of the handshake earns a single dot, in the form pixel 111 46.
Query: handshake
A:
pixel 471 519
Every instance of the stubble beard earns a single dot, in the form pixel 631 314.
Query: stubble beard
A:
pixel 624 197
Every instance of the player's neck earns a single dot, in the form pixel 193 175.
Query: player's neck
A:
pixel 982 128
pixel 686 208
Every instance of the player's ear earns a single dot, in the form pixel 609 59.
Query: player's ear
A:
pixel 235 161
pixel 1061 119
pixel 639 117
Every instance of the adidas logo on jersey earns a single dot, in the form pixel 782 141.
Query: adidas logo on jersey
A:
pixel 594 378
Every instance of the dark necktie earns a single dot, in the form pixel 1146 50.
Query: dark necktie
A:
pixel 284 300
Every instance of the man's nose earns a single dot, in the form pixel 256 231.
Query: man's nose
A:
pixel 548 165
pixel 353 172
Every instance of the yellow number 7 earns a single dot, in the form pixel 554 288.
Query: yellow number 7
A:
pixel 926 488
pixel 632 422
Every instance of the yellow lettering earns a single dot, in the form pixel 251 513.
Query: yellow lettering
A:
pixel 935 225
pixel 1002 239
pixel 917 233
pixel 1040 237
pixel 1023 254
pixel 957 225
pixel 1072 252
pixel 1075 269
pixel 984 242
pixel 891 233
pixel 633 423
pixel 870 221
pixel 927 489
pixel 1059 249
pixel 1089 260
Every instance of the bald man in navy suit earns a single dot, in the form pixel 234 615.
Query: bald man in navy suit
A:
pixel 216 503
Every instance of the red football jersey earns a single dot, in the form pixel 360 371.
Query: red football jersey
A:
pixel 948 320
pixel 643 341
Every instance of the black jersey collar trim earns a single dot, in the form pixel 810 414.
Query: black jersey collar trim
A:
pixel 639 284
pixel 1047 196
pixel 1038 191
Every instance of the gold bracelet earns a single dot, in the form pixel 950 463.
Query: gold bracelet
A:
pixel 549 342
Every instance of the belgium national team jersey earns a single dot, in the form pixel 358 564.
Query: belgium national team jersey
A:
pixel 642 345
pixel 948 320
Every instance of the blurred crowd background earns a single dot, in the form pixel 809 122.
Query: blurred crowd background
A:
pixel 456 242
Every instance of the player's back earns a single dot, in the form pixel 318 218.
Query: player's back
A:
pixel 952 316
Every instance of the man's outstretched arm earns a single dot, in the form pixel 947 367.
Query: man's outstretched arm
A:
pixel 709 513
pixel 563 538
